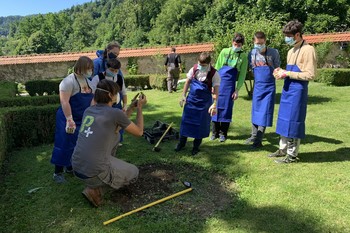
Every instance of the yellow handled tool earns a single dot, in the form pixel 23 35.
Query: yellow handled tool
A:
pixel 187 184
pixel 156 148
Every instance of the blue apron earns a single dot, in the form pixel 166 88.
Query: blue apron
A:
pixel 292 111
pixel 195 118
pixel 228 76
pixel 65 143
pixel 263 95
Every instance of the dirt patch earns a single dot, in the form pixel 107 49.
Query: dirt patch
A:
pixel 211 192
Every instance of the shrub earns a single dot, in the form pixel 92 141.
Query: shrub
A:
pixel 137 80
pixel 158 81
pixel 29 101
pixel 336 77
pixel 27 126
pixel 41 86
pixel 8 89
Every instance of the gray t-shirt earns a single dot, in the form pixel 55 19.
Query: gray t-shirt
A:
pixel 97 139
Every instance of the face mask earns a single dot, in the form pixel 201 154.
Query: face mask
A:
pixel 112 55
pixel 88 74
pixel 202 68
pixel 289 40
pixel 259 47
pixel 110 73
pixel 236 49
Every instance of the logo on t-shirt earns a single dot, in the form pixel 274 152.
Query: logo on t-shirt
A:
pixel 85 126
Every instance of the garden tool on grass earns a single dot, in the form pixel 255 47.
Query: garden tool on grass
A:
pixel 156 147
pixel 187 184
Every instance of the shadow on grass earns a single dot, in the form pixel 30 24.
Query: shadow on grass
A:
pixel 341 154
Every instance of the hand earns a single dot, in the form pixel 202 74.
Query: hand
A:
pixel 279 73
pixel 212 110
pixel 182 101
pixel 70 125
pixel 125 107
pixel 141 101
pixel 235 95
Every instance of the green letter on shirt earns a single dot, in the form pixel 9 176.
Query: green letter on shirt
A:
pixel 88 120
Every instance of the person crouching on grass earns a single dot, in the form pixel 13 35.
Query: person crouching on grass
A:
pixel 198 105
pixel 93 159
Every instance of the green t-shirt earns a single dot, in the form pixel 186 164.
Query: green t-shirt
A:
pixel 241 63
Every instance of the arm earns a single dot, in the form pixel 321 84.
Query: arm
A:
pixel 242 72
pixel 220 61
pixel 309 66
pixel 64 99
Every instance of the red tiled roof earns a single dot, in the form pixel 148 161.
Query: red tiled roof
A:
pixel 124 53
pixel 327 37
pixel 142 52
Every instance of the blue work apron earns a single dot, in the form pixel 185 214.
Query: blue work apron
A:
pixel 64 142
pixel 195 118
pixel 292 111
pixel 224 103
pixel 263 96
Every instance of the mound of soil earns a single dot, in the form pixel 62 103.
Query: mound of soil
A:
pixel 210 193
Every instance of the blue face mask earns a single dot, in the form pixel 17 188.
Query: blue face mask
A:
pixel 236 49
pixel 202 68
pixel 259 47
pixel 110 73
pixel 289 40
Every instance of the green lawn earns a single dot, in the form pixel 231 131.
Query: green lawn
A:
pixel 310 196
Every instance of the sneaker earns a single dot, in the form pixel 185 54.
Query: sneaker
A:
pixel 59 178
pixel 119 144
pixel 287 159
pixel 213 137
pixel 93 196
pixel 178 147
pixel 194 151
pixel 69 171
pixel 249 141
pixel 222 138
pixel 257 145
pixel 278 153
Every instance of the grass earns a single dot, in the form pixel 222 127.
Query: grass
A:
pixel 310 196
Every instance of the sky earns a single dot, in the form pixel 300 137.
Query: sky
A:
pixel 29 7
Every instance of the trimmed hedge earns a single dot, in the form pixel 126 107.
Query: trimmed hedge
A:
pixel 39 87
pixel 332 76
pixel 8 89
pixel 26 126
pixel 29 101
pixel 158 81
pixel 142 81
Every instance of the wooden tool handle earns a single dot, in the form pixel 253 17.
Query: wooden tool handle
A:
pixel 161 138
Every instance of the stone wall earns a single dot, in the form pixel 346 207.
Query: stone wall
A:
pixel 25 72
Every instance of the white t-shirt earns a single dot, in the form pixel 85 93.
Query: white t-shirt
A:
pixel 96 79
pixel 201 76
pixel 70 84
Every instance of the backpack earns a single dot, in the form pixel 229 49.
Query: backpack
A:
pixel 209 79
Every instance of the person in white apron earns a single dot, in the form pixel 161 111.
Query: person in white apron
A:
pixel 232 65
pixel 263 61
pixel 301 68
